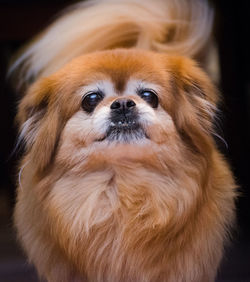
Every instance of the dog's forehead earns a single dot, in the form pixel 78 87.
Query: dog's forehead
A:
pixel 121 67
pixel 119 76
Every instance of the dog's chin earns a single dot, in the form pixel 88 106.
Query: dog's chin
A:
pixel 124 133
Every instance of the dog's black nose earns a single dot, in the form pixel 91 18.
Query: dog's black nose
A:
pixel 123 113
pixel 122 104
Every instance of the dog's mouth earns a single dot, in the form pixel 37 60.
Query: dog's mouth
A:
pixel 124 131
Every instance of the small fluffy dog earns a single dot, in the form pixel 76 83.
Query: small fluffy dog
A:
pixel 121 179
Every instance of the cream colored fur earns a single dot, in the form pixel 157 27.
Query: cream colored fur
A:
pixel 172 26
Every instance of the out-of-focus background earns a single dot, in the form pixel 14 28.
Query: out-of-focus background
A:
pixel 21 20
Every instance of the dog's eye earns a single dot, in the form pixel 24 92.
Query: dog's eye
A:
pixel 91 100
pixel 149 96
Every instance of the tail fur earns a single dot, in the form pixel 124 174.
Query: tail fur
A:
pixel 172 26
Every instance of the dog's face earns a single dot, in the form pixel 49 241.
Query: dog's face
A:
pixel 122 99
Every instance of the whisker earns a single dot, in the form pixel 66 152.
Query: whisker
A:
pixel 220 138
pixel 20 174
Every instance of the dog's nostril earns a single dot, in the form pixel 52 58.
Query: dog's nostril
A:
pixel 122 104
pixel 115 105
pixel 130 103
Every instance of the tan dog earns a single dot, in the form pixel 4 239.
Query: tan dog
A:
pixel 121 179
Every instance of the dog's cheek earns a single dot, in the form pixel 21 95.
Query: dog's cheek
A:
pixel 158 124
pixel 100 121
pixel 83 129
pixel 74 140
pixel 79 134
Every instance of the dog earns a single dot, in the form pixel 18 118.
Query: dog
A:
pixel 121 179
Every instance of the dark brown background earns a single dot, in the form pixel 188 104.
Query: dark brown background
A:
pixel 20 20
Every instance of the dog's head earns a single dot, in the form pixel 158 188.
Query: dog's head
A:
pixel 117 141
pixel 118 99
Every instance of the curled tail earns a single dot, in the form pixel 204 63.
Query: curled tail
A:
pixel 173 26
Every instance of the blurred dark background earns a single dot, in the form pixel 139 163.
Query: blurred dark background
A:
pixel 20 20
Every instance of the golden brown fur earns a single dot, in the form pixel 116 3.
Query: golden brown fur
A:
pixel 153 210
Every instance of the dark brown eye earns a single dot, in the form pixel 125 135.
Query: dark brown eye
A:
pixel 150 97
pixel 91 100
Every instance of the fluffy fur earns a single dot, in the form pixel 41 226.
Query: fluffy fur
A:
pixel 172 26
pixel 150 207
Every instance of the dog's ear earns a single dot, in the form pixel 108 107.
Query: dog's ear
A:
pixel 194 103
pixel 40 122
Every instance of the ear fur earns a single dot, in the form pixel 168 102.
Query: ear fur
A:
pixel 40 123
pixel 195 100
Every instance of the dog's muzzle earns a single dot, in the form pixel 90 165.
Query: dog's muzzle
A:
pixel 124 124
